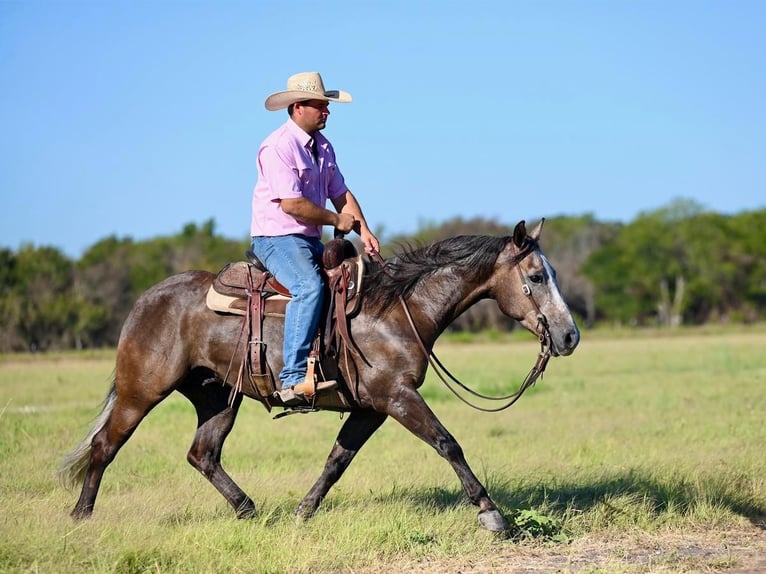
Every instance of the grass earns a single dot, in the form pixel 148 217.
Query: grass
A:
pixel 632 438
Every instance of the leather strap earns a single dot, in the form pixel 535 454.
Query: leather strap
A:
pixel 536 371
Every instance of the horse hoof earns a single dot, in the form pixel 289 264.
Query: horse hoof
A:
pixel 493 521
pixel 247 513
pixel 81 514
pixel 303 513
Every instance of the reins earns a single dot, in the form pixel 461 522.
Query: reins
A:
pixel 443 373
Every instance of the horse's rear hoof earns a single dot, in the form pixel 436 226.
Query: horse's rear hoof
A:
pixel 79 514
pixel 247 511
pixel 493 521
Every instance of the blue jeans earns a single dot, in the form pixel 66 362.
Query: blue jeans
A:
pixel 293 260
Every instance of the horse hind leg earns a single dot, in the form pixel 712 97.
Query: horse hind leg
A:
pixel 215 419
pixel 76 467
pixel 119 418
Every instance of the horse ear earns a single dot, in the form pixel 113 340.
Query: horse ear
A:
pixel 537 230
pixel 520 233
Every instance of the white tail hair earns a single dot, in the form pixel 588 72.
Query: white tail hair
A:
pixel 75 465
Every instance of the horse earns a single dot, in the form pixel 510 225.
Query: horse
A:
pixel 171 341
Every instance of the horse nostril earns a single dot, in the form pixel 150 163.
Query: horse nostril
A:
pixel 571 339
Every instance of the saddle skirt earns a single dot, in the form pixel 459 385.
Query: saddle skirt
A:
pixel 231 288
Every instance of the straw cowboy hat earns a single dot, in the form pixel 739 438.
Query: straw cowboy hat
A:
pixel 304 86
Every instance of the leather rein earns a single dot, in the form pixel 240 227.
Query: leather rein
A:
pixel 537 370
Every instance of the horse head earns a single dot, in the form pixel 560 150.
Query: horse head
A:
pixel 522 268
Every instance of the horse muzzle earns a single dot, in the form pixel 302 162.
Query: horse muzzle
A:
pixel 564 343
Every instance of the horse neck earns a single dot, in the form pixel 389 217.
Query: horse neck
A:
pixel 440 299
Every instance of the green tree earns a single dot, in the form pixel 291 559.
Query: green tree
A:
pixel 104 291
pixel 10 305
pixel 749 252
pixel 641 273
pixel 568 242
pixel 44 288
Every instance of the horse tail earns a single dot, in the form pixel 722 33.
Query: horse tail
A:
pixel 75 465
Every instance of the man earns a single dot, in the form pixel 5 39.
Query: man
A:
pixel 297 174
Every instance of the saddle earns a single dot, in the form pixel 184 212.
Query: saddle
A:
pixel 247 288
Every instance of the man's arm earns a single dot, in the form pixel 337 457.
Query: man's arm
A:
pixel 306 210
pixel 346 203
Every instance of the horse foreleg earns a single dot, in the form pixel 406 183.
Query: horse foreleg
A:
pixel 353 434
pixel 215 419
pixel 413 413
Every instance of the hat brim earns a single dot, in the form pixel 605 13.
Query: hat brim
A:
pixel 281 100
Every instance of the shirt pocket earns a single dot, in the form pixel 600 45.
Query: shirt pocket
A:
pixel 307 174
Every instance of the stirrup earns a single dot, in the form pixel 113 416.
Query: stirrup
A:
pixel 289 397
pixel 309 388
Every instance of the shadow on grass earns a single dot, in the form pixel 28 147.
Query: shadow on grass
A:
pixel 677 495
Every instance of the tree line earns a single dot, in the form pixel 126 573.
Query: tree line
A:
pixel 679 264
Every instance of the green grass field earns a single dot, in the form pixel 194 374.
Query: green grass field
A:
pixel 624 456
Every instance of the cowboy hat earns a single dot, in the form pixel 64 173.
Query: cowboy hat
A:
pixel 304 86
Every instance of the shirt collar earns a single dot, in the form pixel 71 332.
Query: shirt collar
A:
pixel 298 133
pixel 305 139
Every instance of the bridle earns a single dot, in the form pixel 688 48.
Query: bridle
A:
pixel 542 358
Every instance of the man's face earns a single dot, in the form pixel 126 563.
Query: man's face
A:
pixel 311 115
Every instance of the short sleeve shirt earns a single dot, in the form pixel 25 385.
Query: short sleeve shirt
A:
pixel 287 169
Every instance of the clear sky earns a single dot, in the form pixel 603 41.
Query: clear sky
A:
pixel 134 118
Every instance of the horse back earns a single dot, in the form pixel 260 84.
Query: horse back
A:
pixel 170 324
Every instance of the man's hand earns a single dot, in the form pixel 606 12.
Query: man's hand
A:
pixel 371 244
pixel 345 222
pixel 347 206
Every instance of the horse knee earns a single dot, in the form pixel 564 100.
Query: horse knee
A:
pixel 450 449
pixel 202 460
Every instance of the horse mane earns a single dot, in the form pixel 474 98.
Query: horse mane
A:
pixel 474 255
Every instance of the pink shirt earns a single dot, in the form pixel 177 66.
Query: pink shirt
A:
pixel 287 169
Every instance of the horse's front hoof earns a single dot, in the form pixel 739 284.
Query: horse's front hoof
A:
pixel 493 521
pixel 304 512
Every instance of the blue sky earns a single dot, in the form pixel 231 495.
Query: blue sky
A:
pixel 135 118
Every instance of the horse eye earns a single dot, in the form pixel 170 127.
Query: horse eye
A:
pixel 537 278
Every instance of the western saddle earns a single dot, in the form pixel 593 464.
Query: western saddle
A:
pixel 247 288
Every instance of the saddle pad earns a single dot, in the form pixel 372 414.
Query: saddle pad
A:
pixel 235 305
